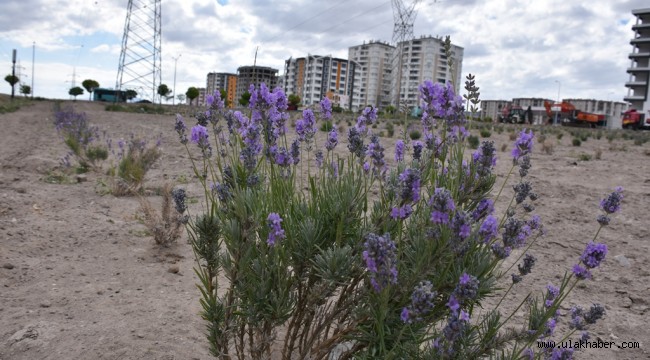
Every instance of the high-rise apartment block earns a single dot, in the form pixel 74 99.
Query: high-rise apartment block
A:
pixel 423 59
pixel 247 75
pixel 223 81
pixel 374 59
pixel 314 77
pixel 638 85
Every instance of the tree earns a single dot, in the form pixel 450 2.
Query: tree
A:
pixel 224 97
pixel 294 101
pixel 181 98
pixel 76 91
pixel 131 94
pixel 12 80
pixel 245 99
pixel 163 90
pixel 25 89
pixel 90 86
pixel 192 93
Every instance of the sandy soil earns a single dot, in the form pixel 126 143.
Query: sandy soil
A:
pixel 79 278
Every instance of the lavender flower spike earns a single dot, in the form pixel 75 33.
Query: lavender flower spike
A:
pixel 594 254
pixel 399 151
pixel 523 144
pixel 612 203
pixel 380 255
pixel 276 232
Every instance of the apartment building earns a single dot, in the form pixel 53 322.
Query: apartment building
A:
pixel 638 85
pixel 247 75
pixel 423 59
pixel 314 77
pixel 200 100
pixel 374 59
pixel 223 81
pixel 492 108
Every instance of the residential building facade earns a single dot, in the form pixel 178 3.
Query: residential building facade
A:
pixel 314 77
pixel 423 59
pixel 223 81
pixel 492 108
pixel 638 85
pixel 374 59
pixel 247 75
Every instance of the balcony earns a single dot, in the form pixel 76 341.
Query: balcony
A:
pixel 637 83
pixel 634 98
pixel 640 40
pixel 638 69
pixel 641 26
pixel 639 55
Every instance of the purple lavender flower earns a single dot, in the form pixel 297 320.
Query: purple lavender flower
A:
pixel 200 137
pixel 355 143
pixel 460 224
pixel 528 352
pixel 467 288
pixel 305 127
pixel 399 151
pixel 527 267
pixel 334 169
pixel 181 129
pixel 603 219
pixel 325 108
pixel 295 151
pixel 523 144
pixel 281 156
pixel 594 254
pixel 484 208
pixel 409 183
pixel 453 304
pixel 612 203
pixel 596 312
pixel 276 232
pixel 551 295
pixel 550 327
pixel 515 233
pixel 485 158
pixel 421 303
pixel 581 272
pixel 562 354
pixel 381 260
pixel 376 153
pixel 401 212
pixel 178 195
pixel 488 229
pixel 501 252
pixel 366 167
pixel 332 139
pixel 319 158
pixel 417 149
pixel 442 204
pixel 433 143
pixel 440 101
pixel 368 116
pixel 522 190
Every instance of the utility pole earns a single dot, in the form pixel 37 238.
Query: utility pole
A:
pixel 175 61
pixel 13 71
pixel 255 64
pixel 33 53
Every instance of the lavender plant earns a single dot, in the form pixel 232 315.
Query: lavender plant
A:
pixel 330 270
pixel 81 138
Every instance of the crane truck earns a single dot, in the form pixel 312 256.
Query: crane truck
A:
pixel 567 114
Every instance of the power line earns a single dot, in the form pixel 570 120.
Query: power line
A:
pixel 304 21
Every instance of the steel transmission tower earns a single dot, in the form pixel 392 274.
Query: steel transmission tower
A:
pixel 404 15
pixel 140 59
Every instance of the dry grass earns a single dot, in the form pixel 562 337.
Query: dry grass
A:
pixel 166 226
pixel 548 147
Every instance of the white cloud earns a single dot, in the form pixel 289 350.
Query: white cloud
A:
pixel 514 47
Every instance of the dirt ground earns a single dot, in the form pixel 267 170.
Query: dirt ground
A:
pixel 80 278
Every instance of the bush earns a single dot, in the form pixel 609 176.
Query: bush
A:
pixel 485 133
pixel 560 135
pixel 81 139
pixel 326 126
pixel 390 129
pixel 473 141
pixel 598 154
pixel 135 159
pixel 576 142
pixel 415 134
pixel 334 268
pixel 584 157
pixel 166 226
pixel 548 147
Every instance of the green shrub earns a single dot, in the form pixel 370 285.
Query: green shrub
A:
pixel 473 141
pixel 326 126
pixel 559 135
pixel 576 142
pixel 485 133
pixel 390 129
pixel 415 134
pixel 584 157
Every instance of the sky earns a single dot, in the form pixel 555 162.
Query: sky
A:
pixel 515 48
